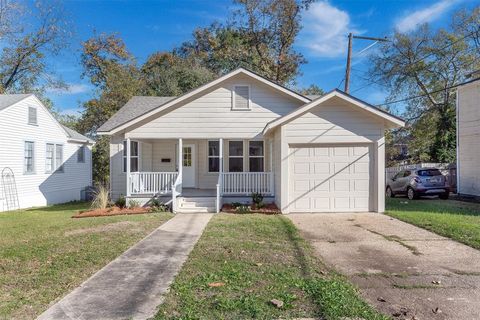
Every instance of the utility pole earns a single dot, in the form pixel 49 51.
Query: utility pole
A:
pixel 349 55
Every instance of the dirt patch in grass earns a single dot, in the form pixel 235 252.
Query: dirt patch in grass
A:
pixel 270 208
pixel 112 211
pixel 115 226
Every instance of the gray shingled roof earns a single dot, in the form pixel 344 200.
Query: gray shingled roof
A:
pixel 6 100
pixel 76 136
pixel 134 108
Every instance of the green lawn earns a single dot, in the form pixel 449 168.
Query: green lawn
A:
pixel 454 219
pixel 258 258
pixel 44 253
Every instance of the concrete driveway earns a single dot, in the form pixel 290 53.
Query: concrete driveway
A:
pixel 404 271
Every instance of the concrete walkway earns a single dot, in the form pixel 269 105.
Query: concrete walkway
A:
pixel 133 285
pixel 404 271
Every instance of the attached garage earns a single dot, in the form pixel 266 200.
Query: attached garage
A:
pixel 330 178
pixel 330 156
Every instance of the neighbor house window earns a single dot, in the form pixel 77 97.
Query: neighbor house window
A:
pixel 29 157
pixel 235 156
pixel 81 154
pixel 213 156
pixel 49 157
pixel 256 156
pixel 59 158
pixel 241 98
pixel 133 156
pixel 32 115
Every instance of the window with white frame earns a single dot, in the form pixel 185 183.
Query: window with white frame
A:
pixel 241 98
pixel 49 157
pixel 29 157
pixel 134 156
pixel 214 156
pixel 59 158
pixel 32 115
pixel 256 156
pixel 235 156
pixel 81 154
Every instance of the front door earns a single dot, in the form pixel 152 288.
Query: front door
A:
pixel 189 166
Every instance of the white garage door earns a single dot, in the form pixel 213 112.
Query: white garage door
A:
pixel 329 178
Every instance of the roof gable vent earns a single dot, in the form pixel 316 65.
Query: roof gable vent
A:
pixel 241 100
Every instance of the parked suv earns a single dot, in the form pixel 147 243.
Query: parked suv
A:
pixel 418 182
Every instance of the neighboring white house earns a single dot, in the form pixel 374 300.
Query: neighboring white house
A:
pixel 242 133
pixel 51 163
pixel 468 137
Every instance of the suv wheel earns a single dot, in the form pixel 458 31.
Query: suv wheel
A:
pixel 444 196
pixel 411 194
pixel 390 193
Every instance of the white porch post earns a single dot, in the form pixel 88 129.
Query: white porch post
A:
pixel 128 168
pixel 272 180
pixel 180 157
pixel 220 174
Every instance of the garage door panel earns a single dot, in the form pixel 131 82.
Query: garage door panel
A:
pixel 330 179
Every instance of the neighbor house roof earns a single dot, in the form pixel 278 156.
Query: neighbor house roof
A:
pixel 6 100
pixel 127 117
pixel 75 136
pixel 392 120
pixel 134 108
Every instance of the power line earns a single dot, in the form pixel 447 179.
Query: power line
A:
pixel 425 94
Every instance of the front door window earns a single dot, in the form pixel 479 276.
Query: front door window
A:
pixel 187 156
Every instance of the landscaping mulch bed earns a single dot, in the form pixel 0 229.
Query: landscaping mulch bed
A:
pixel 270 208
pixel 112 211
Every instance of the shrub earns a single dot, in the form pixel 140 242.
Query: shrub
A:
pixel 133 204
pixel 158 206
pixel 121 202
pixel 101 197
pixel 235 205
pixel 242 209
pixel 257 199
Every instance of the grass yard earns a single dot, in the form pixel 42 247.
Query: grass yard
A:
pixel 44 253
pixel 253 259
pixel 454 219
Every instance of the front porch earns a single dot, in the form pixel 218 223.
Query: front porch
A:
pixel 197 168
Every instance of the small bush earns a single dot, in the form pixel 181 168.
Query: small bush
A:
pixel 158 206
pixel 133 204
pixel 242 209
pixel 101 197
pixel 235 205
pixel 121 202
pixel 257 199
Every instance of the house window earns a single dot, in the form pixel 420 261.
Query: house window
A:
pixel 59 158
pixel 235 156
pixel 213 156
pixel 32 115
pixel 49 159
pixel 256 156
pixel 29 157
pixel 133 156
pixel 241 98
pixel 81 154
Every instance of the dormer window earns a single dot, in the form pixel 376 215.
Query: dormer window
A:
pixel 32 116
pixel 241 98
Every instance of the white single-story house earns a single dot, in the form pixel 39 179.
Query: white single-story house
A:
pixel 242 133
pixel 468 137
pixel 41 161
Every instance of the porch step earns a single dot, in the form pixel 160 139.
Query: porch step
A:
pixel 196 204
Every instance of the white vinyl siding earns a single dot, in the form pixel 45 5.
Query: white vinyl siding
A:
pixel 468 139
pixel 41 188
pixel 241 98
pixel 29 157
pixel 32 116
pixel 211 116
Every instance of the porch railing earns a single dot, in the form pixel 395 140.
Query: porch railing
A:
pixel 246 183
pixel 152 182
